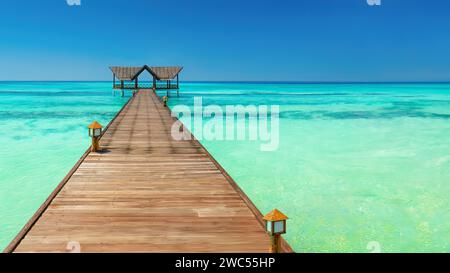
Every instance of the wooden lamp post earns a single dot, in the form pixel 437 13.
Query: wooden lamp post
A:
pixel 95 131
pixel 165 100
pixel 275 225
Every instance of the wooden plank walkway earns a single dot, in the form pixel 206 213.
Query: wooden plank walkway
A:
pixel 145 193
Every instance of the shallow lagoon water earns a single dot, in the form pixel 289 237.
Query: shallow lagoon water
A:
pixel 356 164
pixel 43 132
pixel 360 167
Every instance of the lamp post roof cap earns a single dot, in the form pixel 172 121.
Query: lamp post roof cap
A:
pixel 275 215
pixel 95 125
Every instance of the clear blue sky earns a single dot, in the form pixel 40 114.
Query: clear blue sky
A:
pixel 295 40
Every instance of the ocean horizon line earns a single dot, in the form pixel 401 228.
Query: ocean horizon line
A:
pixel 243 82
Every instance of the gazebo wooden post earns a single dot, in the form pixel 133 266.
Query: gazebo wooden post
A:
pixel 114 80
pixel 136 83
pixel 178 86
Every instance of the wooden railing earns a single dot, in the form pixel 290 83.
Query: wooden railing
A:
pixel 166 86
pixel 144 86
pixel 133 86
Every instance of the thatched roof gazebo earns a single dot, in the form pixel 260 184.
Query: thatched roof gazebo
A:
pixel 163 77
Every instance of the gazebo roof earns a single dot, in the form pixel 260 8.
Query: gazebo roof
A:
pixel 164 72
pixel 129 73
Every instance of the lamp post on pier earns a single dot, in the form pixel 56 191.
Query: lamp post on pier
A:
pixel 95 131
pixel 165 100
pixel 275 226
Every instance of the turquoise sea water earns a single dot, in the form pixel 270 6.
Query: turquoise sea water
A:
pixel 42 134
pixel 356 164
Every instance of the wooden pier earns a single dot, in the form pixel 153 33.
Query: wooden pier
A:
pixel 145 193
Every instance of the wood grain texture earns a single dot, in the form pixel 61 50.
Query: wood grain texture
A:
pixel 146 193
